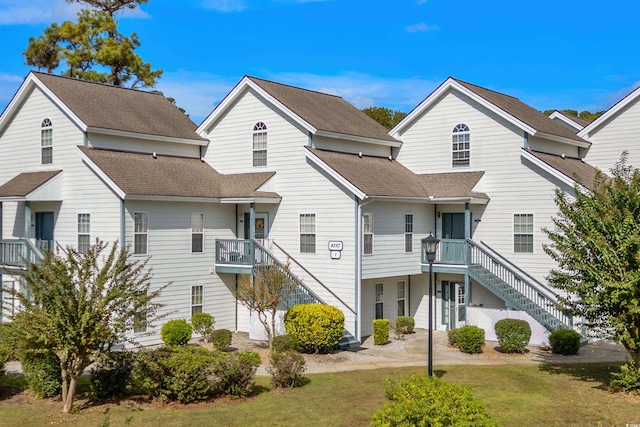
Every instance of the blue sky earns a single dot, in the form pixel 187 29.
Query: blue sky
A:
pixel 563 54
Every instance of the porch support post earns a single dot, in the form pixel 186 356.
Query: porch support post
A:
pixel 467 294
pixel 467 221
pixel 27 220
pixel 252 231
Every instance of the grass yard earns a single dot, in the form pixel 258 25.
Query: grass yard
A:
pixel 515 395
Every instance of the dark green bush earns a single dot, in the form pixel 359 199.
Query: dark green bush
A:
pixel 4 356
pixel 179 373
pixel 234 374
pixel 380 331
pixel 286 369
pixel 203 324
pixel 176 332
pixel 513 335
pixel 221 339
pixel 452 337
pixel 286 342
pixel 112 375
pixel 318 327
pixel 41 369
pixel 470 339
pixel 564 341
pixel 405 324
pixel 9 340
pixel 250 356
pixel 628 379
pixel 420 400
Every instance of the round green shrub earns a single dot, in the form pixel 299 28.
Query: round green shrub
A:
pixel 513 335
pixel 250 356
pixel 405 324
pixel 628 379
pixel 380 331
pixel 176 332
pixel 221 339
pixel 564 341
pixel 470 339
pixel 203 324
pixel 112 375
pixel 234 374
pixel 286 342
pixel 452 337
pixel 41 369
pixel 420 400
pixel 318 327
pixel 286 369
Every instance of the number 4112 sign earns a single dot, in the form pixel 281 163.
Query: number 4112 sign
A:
pixel 335 248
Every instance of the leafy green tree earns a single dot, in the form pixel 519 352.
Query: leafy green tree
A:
pixel 596 243
pixel 587 115
pixel 385 116
pixel 264 292
pixel 82 304
pixel 92 48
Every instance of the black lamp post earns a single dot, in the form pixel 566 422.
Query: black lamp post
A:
pixel 430 245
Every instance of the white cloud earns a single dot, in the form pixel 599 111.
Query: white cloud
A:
pixel 15 12
pixel 421 27
pixel 616 96
pixel 225 5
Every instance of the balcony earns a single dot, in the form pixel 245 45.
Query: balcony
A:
pixel 234 256
pixel 452 257
pixel 17 253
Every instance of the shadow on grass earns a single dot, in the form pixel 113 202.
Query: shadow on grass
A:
pixel 11 385
pixel 598 373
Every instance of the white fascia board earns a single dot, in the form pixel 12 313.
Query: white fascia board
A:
pixel 235 93
pixel 356 138
pixel 268 185
pixel 122 133
pixel 144 197
pixel 13 199
pixel 584 133
pixel 103 176
pixel 564 140
pixel 551 171
pixel 470 200
pixel 558 115
pixel 335 175
pixel 29 82
pixel 452 84
pixel 240 200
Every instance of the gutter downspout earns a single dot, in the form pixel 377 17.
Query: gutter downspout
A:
pixel 358 284
pixel 123 234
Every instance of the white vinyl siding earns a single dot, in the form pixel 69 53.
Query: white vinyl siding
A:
pixel 408 233
pixel 46 142
pixel 84 232
pixel 260 144
pixel 141 233
pixel 197 299
pixel 197 232
pixel 367 233
pixel 523 233
pixel 379 307
pixel 308 233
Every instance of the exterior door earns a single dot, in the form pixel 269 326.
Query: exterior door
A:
pixel 453 305
pixel 453 226
pixel 44 231
pixel 262 226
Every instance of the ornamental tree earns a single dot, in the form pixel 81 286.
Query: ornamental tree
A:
pixel 596 244
pixel 82 304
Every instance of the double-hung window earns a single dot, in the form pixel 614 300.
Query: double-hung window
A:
pixel 367 233
pixel 84 232
pixel 408 233
pixel 401 298
pixel 197 298
pixel 197 233
pixel 46 142
pixel 260 144
pixel 379 301
pixel 460 140
pixel 308 233
pixel 523 233
pixel 140 233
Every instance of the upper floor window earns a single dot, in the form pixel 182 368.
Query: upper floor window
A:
pixel 523 233
pixel 84 232
pixel 367 233
pixel 197 232
pixel 46 142
pixel 308 233
pixel 408 233
pixel 260 144
pixel 460 140
pixel 140 233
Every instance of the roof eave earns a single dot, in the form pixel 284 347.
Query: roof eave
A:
pixel 102 175
pixel 564 140
pixel 584 133
pixel 122 133
pixel 335 175
pixel 164 198
pixel 562 177
pixel 558 115
pixel 238 200
pixel 357 138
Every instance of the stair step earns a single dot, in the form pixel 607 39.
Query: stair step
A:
pixel 348 341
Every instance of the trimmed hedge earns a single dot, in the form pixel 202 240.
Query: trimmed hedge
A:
pixel 234 374
pixel 282 343
pixel 628 379
pixel 221 339
pixel 41 369
pixel 513 335
pixel 203 324
pixel 405 324
pixel 176 332
pixel 564 341
pixel 420 400
pixel 380 331
pixel 470 339
pixel 452 337
pixel 112 376
pixel 286 369
pixel 318 327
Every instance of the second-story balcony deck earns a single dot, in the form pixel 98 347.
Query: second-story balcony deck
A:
pixel 15 254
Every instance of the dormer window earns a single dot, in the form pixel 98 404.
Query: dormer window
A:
pixel 460 140
pixel 46 142
pixel 260 144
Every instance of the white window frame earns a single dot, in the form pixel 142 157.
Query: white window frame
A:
pixel 408 233
pixel 308 232
pixel 367 232
pixel 195 305
pixel 519 232
pixel 140 233
pixel 259 145
pixel 195 233
pixel 379 301
pixel 402 297
pixel 46 141
pixel 460 137
pixel 84 246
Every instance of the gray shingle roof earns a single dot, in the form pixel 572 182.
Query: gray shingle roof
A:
pixel 25 183
pixel 574 168
pixel 521 111
pixel 381 177
pixel 116 108
pixel 579 120
pixel 140 174
pixel 325 112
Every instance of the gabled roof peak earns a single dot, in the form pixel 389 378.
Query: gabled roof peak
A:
pixel 255 79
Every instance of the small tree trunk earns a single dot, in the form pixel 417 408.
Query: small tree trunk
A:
pixel 68 398
pixel 65 378
pixel 273 327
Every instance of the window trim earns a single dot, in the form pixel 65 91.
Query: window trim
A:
pixel 378 302
pixel 532 233
pixel 201 304
pixel 459 130
pixel 315 232
pixel 194 233
pixel 368 233
pixel 46 126
pixel 83 234
pixel 260 128
pixel 136 233
pixel 408 233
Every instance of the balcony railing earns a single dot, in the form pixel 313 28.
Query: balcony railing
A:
pixel 18 253
pixel 450 251
pixel 234 252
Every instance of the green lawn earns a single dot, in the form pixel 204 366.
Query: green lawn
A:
pixel 562 395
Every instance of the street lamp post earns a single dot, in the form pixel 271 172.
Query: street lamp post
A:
pixel 430 245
